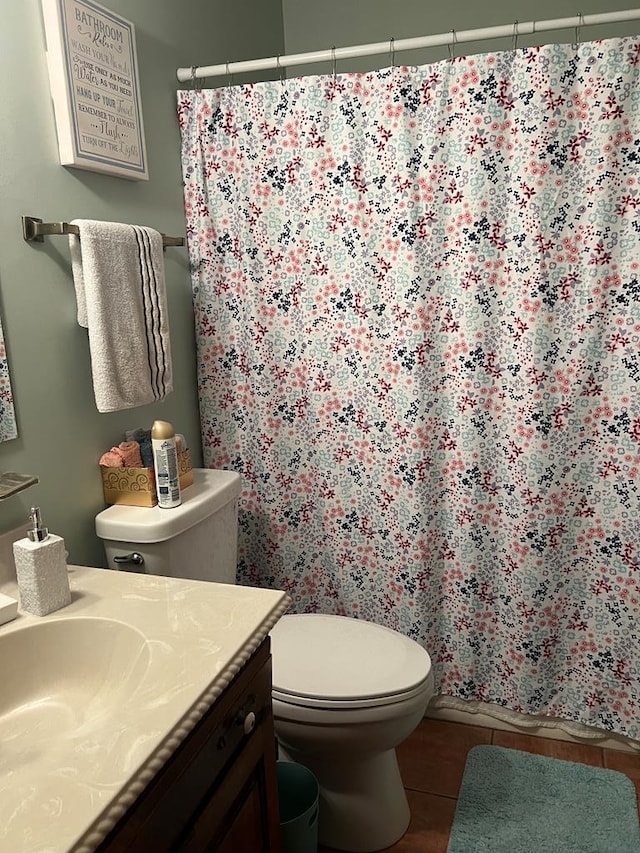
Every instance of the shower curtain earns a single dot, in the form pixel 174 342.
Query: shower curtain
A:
pixel 417 305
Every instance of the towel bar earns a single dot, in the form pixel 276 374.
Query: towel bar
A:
pixel 34 230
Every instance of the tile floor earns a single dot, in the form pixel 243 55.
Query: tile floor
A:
pixel 432 763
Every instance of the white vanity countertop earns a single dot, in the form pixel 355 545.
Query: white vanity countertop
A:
pixel 65 793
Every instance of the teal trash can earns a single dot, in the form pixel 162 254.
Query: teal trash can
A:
pixel 298 802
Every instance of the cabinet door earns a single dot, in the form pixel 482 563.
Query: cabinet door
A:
pixel 246 831
pixel 242 815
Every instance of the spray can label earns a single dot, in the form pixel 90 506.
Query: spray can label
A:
pixel 167 478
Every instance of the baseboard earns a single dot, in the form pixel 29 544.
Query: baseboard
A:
pixel 527 725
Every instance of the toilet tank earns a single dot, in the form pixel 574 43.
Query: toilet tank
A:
pixel 196 540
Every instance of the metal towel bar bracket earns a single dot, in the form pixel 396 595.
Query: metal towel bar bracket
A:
pixel 34 230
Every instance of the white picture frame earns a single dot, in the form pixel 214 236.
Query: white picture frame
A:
pixel 93 76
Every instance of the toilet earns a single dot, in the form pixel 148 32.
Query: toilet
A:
pixel 346 692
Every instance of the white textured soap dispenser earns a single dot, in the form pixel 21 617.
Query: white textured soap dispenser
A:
pixel 41 569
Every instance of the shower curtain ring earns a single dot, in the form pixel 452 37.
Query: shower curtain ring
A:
pixel 280 69
pixel 580 23
pixel 193 76
pixel 333 61
pixel 229 75
pixel 515 35
pixel 392 51
pixel 452 45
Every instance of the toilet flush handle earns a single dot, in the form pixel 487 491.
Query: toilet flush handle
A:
pixel 133 559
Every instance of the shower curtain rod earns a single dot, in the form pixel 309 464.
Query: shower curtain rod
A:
pixel 450 38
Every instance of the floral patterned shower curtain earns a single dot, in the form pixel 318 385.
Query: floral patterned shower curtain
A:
pixel 417 303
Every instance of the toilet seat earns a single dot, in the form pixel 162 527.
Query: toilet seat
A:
pixel 346 704
pixel 338 662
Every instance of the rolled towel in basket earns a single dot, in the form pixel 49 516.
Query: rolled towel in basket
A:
pixel 130 451
pixel 111 459
pixel 143 437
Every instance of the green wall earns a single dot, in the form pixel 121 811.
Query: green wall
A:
pixel 61 434
pixel 310 25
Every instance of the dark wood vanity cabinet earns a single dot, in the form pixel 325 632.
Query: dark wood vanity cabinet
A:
pixel 218 792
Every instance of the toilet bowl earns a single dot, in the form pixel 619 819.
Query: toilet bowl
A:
pixel 346 693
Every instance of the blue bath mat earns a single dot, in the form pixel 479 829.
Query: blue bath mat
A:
pixel 515 802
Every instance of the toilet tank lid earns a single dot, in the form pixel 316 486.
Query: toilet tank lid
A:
pixel 210 491
pixel 342 658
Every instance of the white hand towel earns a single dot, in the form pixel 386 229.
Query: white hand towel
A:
pixel 118 272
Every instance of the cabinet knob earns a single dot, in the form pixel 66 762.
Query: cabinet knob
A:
pixel 249 723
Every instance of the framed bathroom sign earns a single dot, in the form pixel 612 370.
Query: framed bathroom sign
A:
pixel 93 76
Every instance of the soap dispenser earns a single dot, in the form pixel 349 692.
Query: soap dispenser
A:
pixel 41 569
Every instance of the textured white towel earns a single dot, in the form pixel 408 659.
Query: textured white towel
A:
pixel 118 272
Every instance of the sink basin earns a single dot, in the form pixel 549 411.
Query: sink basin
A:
pixel 62 675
